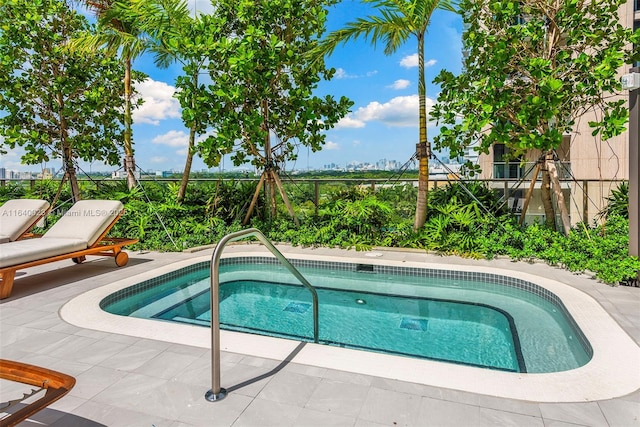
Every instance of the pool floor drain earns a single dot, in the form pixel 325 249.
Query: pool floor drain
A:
pixel 414 324
pixel 297 307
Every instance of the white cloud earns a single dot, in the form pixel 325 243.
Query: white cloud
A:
pixel 349 122
pixel 173 138
pixel 330 145
pixel 342 74
pixel 401 111
pixel 11 160
pixel 411 61
pixel 400 84
pixel 159 103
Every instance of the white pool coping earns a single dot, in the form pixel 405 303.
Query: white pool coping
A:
pixel 612 371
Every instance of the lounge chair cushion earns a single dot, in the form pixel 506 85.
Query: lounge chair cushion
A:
pixel 16 216
pixel 33 249
pixel 85 221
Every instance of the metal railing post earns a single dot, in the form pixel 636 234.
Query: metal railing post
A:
pixel 634 169
pixel 218 393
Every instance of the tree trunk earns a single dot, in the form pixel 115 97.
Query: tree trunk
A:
pixel 285 199
pixel 254 199
pixel 527 198
pixel 557 189
pixel 271 186
pixel 423 186
pixel 549 212
pixel 187 167
pixel 70 170
pixel 67 151
pixel 129 161
pixel 422 149
pixel 192 142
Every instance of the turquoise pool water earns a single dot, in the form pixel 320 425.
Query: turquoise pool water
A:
pixel 413 312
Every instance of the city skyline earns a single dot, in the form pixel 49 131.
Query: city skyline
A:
pixel 381 164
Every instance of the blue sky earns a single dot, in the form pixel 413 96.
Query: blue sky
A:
pixel 384 118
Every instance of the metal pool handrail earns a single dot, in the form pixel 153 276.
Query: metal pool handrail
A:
pixel 218 393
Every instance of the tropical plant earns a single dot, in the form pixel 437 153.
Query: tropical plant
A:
pixel 175 36
pixel 532 69
pixel 617 202
pixel 468 192
pixel 457 224
pixel 398 21
pixel 118 35
pixel 55 103
pixel 261 96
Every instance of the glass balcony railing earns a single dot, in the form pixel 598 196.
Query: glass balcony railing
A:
pixel 510 170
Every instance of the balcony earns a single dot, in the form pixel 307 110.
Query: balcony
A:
pixel 514 170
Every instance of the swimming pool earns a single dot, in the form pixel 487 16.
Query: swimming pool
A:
pixel 470 318
pixel 611 371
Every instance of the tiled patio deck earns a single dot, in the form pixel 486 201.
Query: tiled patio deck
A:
pixel 127 381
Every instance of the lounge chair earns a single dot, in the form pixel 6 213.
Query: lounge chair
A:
pixel 80 232
pixel 18 216
pixel 55 384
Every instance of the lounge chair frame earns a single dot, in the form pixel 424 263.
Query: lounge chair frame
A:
pixel 55 383
pixel 103 247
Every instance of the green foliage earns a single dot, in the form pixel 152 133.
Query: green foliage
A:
pixel 117 35
pixel 530 71
pixel 617 203
pixel 601 249
pixel 173 35
pixel 263 81
pixel 55 103
pixel 394 24
pixel 355 217
pixel 11 191
pixel 459 214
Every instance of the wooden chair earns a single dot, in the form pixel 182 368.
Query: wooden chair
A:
pixel 80 232
pixel 54 383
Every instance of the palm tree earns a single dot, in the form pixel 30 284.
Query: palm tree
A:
pixel 118 36
pixel 398 21
pixel 171 34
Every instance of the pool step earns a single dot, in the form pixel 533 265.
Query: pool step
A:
pixel 198 322
pixel 177 297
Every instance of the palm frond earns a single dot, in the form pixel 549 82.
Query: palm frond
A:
pixel 396 22
pixel 389 28
pixel 162 20
pixel 115 35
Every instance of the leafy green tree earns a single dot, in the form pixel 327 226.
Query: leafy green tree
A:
pixel 531 69
pixel 117 35
pixel 55 103
pixel 261 95
pixel 175 36
pixel 398 21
